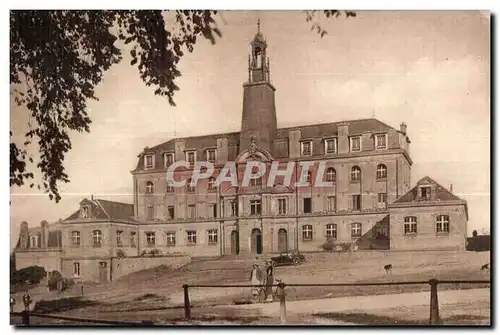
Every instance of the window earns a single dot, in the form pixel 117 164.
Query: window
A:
pixel 76 269
pixel 282 206
pixel 355 173
pixel 306 148
pixel 170 188
pixel 97 237
pixel 307 202
pixel 356 230
pixel 307 233
pixel 331 175
pixel 210 154
pixel 331 231
pixel 356 202
pixel 191 237
pixel 410 225
pixel 425 193
pixel 309 177
pixel 119 235
pixel 355 144
pixel 171 212
pixel 381 141
pixel 382 199
pixel 381 171
pixel 332 203
pixel 133 239
pixel 150 212
pixel 211 184
pixel 150 238
pixel 381 233
pixel 331 146
pixel 212 236
pixel 84 212
pixel 75 236
pixel 169 159
pixel 442 224
pixel 170 238
pixel 256 181
pixel 34 241
pixel 149 187
pixel 190 188
pixel 149 161
pixel 191 158
pixel 255 207
pixel 191 211
pixel 234 208
pixel 212 210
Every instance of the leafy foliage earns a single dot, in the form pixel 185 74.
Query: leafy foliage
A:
pixel 311 16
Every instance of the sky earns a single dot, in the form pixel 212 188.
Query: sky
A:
pixel 428 69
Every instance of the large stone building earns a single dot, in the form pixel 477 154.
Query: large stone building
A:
pixel 369 205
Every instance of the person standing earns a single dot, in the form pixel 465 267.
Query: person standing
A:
pixel 255 281
pixel 269 281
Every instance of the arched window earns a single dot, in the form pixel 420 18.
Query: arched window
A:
pixel 190 188
pixel 355 173
pixel 331 174
pixel 211 184
pixel 381 171
pixel 96 237
pixel 149 187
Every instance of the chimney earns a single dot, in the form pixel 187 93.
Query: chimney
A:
pixel 91 197
pixel 23 234
pixel 402 128
pixel 451 188
pixel 45 233
pixel 342 138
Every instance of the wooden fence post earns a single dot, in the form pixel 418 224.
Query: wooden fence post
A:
pixel 187 306
pixel 82 290
pixel 281 295
pixel 434 307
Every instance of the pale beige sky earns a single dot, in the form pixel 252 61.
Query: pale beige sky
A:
pixel 428 69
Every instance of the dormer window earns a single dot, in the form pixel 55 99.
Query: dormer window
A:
pixel 381 141
pixel 425 193
pixel 169 159
pixel 210 155
pixel 306 148
pixel 84 212
pixel 191 158
pixel 149 161
pixel 331 146
pixel 355 143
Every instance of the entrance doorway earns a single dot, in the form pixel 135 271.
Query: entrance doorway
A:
pixel 235 242
pixel 282 240
pixel 103 272
pixel 256 241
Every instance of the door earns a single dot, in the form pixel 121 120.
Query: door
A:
pixel 256 241
pixel 282 240
pixel 235 242
pixel 103 272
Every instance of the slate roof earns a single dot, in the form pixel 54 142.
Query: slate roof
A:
pixel 105 209
pixel 442 194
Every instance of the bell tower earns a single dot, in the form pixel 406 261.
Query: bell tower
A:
pixel 259 111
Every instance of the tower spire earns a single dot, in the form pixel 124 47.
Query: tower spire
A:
pixel 258 25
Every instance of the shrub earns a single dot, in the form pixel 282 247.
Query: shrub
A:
pixel 155 252
pixel 120 253
pixel 338 247
pixel 32 274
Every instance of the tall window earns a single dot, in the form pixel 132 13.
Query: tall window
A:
pixel 170 239
pixel 306 148
pixel 190 188
pixel 97 237
pixel 307 202
pixel 332 204
pixel 355 144
pixel 355 229
pixel 149 187
pixel 381 141
pixel 356 202
pixel 170 188
pixel 309 177
pixel 150 212
pixel 119 235
pixel 382 199
pixel 255 207
pixel 34 241
pixel 211 184
pixel 191 211
pixel 331 146
pixel 210 153
pixel 381 171
pixel 282 206
pixel 331 231
pixel 150 238
pixel 133 239
pixel 355 173
pixel 76 269
pixel 191 158
pixel 149 161
pixel 410 225
pixel 442 224
pixel 212 236
pixel 169 159
pixel 234 208
pixel 212 210
pixel 331 175
pixel 191 237
pixel 307 232
pixel 171 212
pixel 75 236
